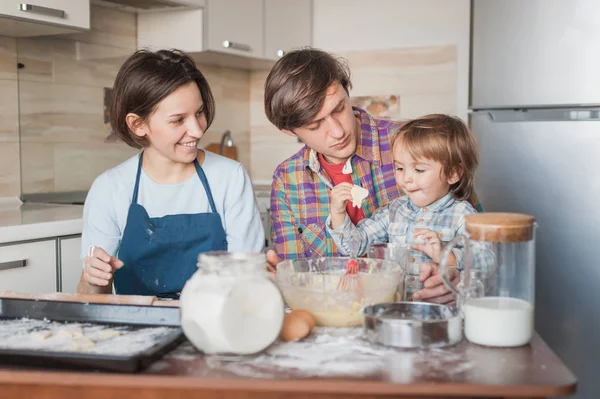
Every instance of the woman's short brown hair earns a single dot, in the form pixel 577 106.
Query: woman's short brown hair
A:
pixel 296 86
pixel 144 80
pixel 444 139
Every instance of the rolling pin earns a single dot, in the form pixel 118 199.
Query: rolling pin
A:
pixel 110 299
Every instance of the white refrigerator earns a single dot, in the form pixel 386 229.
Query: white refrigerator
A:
pixel 535 101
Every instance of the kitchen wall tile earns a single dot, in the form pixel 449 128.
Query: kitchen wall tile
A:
pixel 9 111
pixel 109 27
pixel 415 105
pixel 53 112
pixel 8 58
pixel 37 168
pixel 91 65
pixel 91 159
pixel 10 177
pixel 37 56
pixel 231 90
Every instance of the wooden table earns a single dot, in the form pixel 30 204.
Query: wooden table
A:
pixel 532 371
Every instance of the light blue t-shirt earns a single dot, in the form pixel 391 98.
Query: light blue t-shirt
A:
pixel 109 198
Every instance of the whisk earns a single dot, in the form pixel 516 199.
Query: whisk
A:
pixel 350 280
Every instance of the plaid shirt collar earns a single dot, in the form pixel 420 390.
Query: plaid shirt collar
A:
pixel 438 206
pixel 367 143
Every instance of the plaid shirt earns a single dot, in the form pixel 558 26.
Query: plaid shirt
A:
pixel 396 222
pixel 300 190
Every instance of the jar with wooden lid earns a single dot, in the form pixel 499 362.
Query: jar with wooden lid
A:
pixel 500 247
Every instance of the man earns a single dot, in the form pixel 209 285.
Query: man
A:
pixel 307 96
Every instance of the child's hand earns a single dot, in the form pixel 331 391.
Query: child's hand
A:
pixel 432 247
pixel 340 195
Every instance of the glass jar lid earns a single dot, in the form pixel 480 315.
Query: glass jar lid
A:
pixel 500 227
pixel 224 262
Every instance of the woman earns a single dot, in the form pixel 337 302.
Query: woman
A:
pixel 147 219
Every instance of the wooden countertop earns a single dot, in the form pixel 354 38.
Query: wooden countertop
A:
pixel 532 371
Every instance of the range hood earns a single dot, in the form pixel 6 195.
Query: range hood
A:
pixel 150 5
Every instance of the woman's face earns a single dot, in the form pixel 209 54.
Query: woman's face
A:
pixel 177 125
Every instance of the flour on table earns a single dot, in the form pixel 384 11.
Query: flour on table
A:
pixel 337 352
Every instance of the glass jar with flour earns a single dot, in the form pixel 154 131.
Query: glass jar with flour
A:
pixel 231 305
pixel 500 248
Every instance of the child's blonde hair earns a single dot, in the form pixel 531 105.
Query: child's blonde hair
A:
pixel 444 139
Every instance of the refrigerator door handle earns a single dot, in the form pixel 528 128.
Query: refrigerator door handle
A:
pixel 543 115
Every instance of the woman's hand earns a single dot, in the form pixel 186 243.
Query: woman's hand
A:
pixel 435 290
pixel 272 260
pixel 99 267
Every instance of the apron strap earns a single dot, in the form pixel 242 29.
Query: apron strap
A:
pixel 137 180
pixel 199 171
pixel 202 177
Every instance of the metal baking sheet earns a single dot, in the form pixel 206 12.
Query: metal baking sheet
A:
pixel 127 319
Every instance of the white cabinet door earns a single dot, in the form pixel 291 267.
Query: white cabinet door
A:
pixel 288 25
pixel 70 263
pixel 235 27
pixel 173 29
pixel 28 268
pixel 64 13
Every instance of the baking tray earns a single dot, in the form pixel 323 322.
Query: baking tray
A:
pixel 124 317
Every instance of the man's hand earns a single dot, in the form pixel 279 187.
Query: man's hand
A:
pixel 435 290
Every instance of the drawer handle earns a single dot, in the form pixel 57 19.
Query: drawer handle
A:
pixel 236 46
pixel 51 12
pixel 13 264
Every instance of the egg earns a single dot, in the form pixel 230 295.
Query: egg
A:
pixel 296 326
pixel 307 316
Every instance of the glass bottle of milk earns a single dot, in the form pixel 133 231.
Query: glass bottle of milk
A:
pixel 501 248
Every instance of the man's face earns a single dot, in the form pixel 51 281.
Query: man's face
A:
pixel 334 130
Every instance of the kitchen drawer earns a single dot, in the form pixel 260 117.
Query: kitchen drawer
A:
pixel 39 271
pixel 74 14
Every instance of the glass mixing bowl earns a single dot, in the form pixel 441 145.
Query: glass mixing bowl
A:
pixel 313 284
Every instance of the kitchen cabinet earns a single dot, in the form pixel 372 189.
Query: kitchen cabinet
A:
pixel 236 27
pixel 251 29
pixel 288 25
pixel 28 267
pixel 70 263
pixel 43 17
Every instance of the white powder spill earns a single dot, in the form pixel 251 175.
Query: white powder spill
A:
pixel 52 336
pixel 337 352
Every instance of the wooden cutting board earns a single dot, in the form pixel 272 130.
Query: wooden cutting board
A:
pixel 229 152
pixel 93 298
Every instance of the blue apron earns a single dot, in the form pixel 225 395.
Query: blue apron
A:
pixel 160 254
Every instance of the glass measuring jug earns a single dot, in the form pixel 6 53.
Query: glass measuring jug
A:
pixel 399 254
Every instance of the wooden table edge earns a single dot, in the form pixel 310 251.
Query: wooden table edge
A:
pixel 338 386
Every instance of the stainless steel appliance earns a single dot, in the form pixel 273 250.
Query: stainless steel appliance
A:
pixel 535 96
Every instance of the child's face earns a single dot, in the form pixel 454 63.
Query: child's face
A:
pixel 421 179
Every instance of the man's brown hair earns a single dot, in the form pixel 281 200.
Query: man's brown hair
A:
pixel 444 139
pixel 144 80
pixel 296 86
